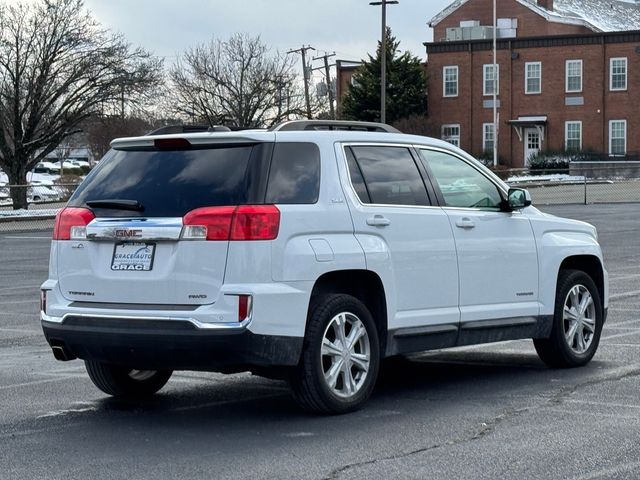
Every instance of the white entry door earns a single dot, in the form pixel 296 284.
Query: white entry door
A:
pixel 531 143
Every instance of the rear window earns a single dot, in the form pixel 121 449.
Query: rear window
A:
pixel 171 183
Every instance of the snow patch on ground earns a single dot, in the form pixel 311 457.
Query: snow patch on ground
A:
pixel 22 213
pixel 556 177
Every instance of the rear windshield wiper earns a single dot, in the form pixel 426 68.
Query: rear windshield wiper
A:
pixel 117 204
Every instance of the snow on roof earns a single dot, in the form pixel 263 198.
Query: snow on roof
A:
pixel 597 15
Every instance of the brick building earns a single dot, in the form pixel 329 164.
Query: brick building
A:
pixel 568 76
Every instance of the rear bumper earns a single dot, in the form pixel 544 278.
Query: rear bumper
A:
pixel 168 344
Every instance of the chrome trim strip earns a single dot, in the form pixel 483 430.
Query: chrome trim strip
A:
pixel 157 229
pixel 196 323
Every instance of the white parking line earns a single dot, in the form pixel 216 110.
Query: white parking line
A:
pixel 627 334
pixel 617 296
pixel 20 237
pixel 35 382
pixel 6 289
pixel 19 330
pixel 626 322
pixel 602 404
pixel 624 277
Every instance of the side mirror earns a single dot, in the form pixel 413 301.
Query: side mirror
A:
pixel 518 198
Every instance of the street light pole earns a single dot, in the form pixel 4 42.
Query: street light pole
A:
pixel 495 89
pixel 383 57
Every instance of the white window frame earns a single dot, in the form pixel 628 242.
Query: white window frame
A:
pixel 452 137
pixel 485 129
pixel 496 80
pixel 566 133
pixel 566 75
pixel 444 80
pixel 527 77
pixel 626 74
pixel 611 122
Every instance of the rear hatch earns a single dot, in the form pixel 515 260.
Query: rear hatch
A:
pixel 123 239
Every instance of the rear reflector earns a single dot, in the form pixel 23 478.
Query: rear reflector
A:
pixel 71 223
pixel 244 307
pixel 246 222
pixel 43 301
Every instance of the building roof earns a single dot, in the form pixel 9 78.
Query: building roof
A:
pixel 597 15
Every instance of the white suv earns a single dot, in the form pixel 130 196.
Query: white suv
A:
pixel 310 251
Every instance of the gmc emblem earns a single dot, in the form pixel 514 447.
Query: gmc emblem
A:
pixel 128 233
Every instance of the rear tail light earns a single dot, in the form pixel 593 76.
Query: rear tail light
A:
pixel 71 223
pixel 246 222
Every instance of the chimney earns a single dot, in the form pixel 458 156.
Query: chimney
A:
pixel 548 4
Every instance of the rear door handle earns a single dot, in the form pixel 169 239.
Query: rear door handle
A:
pixel 465 223
pixel 378 221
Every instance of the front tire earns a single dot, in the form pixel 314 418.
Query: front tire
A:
pixel 577 323
pixel 125 381
pixel 340 357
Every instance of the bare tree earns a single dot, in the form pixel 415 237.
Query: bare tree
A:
pixel 58 66
pixel 101 130
pixel 237 82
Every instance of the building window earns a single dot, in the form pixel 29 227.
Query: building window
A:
pixel 573 69
pixel 451 134
pixel 489 80
pixel 617 137
pixel 618 74
pixel 573 136
pixel 450 81
pixel 533 77
pixel 487 137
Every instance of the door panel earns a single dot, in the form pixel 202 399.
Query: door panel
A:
pixel 497 256
pixel 410 243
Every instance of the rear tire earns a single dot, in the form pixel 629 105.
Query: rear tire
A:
pixel 577 322
pixel 340 357
pixel 125 381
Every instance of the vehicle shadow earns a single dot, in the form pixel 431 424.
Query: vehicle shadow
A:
pixel 443 377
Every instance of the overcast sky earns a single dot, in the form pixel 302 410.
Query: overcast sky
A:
pixel 348 27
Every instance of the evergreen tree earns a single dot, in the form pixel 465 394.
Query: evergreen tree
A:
pixel 406 86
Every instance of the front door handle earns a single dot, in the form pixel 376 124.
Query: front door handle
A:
pixel 378 221
pixel 465 223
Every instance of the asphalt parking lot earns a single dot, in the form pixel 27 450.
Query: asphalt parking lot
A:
pixel 481 412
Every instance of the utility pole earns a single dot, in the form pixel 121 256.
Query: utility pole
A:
pixel 303 51
pixel 383 57
pixel 327 75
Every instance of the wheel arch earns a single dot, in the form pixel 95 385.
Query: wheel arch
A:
pixel 364 285
pixel 589 264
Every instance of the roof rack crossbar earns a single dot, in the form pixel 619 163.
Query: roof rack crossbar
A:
pixel 300 125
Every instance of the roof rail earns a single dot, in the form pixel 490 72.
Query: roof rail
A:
pixel 170 129
pixel 298 125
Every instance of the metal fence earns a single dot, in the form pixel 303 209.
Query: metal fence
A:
pixel 43 202
pixel 580 183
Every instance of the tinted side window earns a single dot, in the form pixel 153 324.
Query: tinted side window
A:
pixel 295 173
pixel 356 177
pixel 391 175
pixel 461 184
